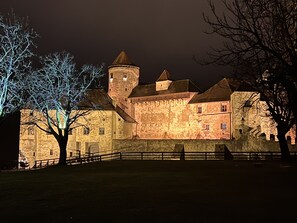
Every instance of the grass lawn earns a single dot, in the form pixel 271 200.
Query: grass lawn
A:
pixel 152 191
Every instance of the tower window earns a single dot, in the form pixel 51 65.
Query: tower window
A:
pixel 111 77
pixel 125 77
pixel 126 89
pixel 199 110
pixel 51 152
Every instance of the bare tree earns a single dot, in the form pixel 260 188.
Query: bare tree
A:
pixel 260 44
pixel 15 51
pixel 56 90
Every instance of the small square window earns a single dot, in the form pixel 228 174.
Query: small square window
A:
pixel 223 126
pixel 119 119
pixel 199 110
pixel 223 108
pixel 206 127
pixel 101 131
pixel 31 130
pixel 86 131
pixel 126 89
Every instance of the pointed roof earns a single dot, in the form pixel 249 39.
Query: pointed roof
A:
pixel 165 75
pixel 180 86
pixel 122 59
pixel 219 92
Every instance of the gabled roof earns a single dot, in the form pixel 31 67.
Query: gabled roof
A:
pixel 179 86
pixel 122 59
pixel 164 76
pixel 96 99
pixel 221 91
pixel 124 115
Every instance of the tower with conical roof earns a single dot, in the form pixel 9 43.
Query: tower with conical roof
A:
pixel 123 76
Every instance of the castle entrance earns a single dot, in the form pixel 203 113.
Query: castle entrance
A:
pixel 92 148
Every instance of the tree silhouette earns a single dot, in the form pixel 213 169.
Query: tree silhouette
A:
pixel 260 44
pixel 16 44
pixel 56 91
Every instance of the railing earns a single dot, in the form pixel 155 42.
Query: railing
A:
pixel 93 157
pixel 86 158
pixel 203 156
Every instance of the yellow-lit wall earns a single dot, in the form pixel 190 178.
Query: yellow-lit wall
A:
pixel 40 145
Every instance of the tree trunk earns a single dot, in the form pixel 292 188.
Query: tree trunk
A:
pixel 285 153
pixel 63 152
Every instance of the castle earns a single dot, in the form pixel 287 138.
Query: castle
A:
pixel 164 111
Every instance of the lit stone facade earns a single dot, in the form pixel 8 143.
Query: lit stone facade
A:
pixel 94 134
pixel 163 110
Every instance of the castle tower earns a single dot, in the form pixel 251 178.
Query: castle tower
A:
pixel 123 76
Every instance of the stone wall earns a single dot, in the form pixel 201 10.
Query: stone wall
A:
pixel 252 144
pixel 162 119
pixel 104 126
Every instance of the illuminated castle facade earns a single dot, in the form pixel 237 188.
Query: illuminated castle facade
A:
pixel 163 110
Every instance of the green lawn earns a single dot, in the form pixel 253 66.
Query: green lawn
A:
pixel 152 191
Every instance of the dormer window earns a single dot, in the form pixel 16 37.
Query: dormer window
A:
pixel 125 77
pixel 223 108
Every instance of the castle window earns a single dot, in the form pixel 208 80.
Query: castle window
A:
pixel 86 131
pixel 119 119
pixel 126 89
pixel 70 132
pixel 111 77
pixel 31 130
pixel 51 152
pixel 223 108
pixel 223 126
pixel 199 110
pixel 33 154
pixel 125 77
pixel 206 127
pixel 101 131
pixel 70 154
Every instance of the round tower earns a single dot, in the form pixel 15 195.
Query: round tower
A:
pixel 123 76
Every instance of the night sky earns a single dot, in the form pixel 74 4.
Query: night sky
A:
pixel 156 34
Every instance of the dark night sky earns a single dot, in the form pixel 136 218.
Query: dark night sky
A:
pixel 156 34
